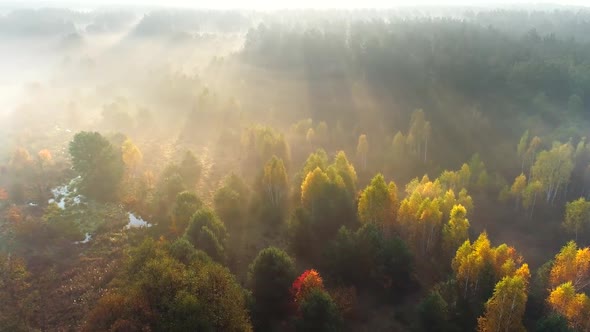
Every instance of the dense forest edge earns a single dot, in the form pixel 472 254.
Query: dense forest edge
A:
pixel 420 169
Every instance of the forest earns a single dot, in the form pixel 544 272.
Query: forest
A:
pixel 421 169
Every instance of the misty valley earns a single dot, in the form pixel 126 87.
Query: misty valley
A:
pixel 406 169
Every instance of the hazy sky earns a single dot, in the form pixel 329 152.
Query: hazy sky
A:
pixel 278 4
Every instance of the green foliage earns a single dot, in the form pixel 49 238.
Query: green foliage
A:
pixel 231 202
pixel 183 251
pixel 319 313
pixel 261 143
pixel 328 203
pixel 270 277
pixel 223 299
pixel 206 232
pixel 577 216
pixel 99 164
pixel 16 300
pixel 187 203
pixel 273 188
pixel 552 323
pixel 369 259
pixel 190 169
pixel 161 293
pixel 434 313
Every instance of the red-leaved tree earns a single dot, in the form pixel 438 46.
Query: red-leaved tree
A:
pixel 304 284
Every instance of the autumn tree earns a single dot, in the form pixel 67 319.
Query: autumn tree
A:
pixel 575 307
pixel 456 231
pixel 577 216
pixel 518 188
pixel 44 158
pixel 505 309
pixel 475 262
pixel 304 284
pixel 378 203
pixel 132 156
pixel 165 290
pixel 312 188
pixel 420 215
pixel 346 171
pixel 571 265
pixel 16 298
pixel 318 158
pixel 327 201
pixel 99 164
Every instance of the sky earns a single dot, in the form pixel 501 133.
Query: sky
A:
pixel 281 4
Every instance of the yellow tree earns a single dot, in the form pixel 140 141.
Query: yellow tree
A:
pixel 467 266
pixel 449 200
pixel 449 179
pixel 465 200
pixel 392 190
pixel 132 156
pixel 470 260
pixel 376 204
pixel 456 231
pixel 431 219
pixel 44 158
pixel 571 265
pixel 317 159
pixel 464 175
pixel 313 186
pixel 505 309
pixel 518 187
pixel 345 169
pixel 575 307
